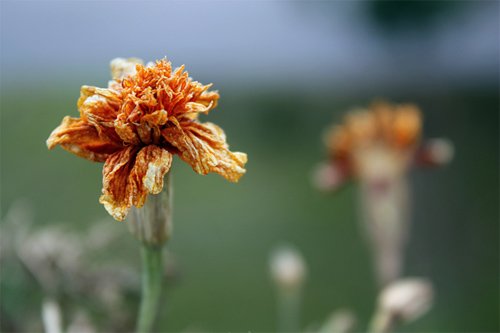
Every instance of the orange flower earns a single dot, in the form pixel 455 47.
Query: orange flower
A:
pixel 147 114
pixel 393 127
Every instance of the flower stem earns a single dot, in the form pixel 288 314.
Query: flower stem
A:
pixel 289 310
pixel 382 322
pixel 151 286
pixel 152 226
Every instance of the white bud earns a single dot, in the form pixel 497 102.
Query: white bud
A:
pixel 328 177
pixel 441 151
pixel 287 268
pixel 406 299
pixel 340 321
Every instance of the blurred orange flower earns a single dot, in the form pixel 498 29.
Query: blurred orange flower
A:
pixel 147 114
pixel 393 127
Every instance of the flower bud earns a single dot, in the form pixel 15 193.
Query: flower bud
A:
pixel 287 268
pixel 340 321
pixel 406 299
pixel 436 152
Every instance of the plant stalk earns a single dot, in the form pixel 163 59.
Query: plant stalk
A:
pixel 152 226
pixel 289 310
pixel 152 269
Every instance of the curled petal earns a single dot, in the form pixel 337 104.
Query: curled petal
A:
pixel 151 165
pixel 407 126
pixel 111 96
pixel 130 175
pixel 82 139
pixel 204 147
pixel 126 130
pixel 339 141
pixel 149 127
pixel 99 107
pixel 116 196
pixel 361 126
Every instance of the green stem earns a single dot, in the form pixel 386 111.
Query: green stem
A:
pixel 289 310
pixel 151 286
pixel 382 322
pixel 152 226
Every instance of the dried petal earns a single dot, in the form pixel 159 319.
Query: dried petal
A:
pixel 361 126
pixel 204 147
pixel 407 126
pixel 129 176
pixel 99 107
pixel 116 196
pixel 151 165
pixel 126 130
pixel 82 139
pixel 158 88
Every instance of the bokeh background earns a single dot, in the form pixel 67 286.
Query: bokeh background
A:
pixel 285 71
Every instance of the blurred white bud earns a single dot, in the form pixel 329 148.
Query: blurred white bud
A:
pixel 435 153
pixel 328 177
pixel 340 321
pixel 440 151
pixel 407 299
pixel 288 268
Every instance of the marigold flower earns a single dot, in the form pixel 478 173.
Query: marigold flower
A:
pixel 377 146
pixel 135 126
pixel 396 127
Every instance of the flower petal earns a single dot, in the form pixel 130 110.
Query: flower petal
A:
pixel 116 196
pixel 82 139
pixel 407 126
pixel 204 147
pixel 100 107
pixel 151 165
pixel 130 175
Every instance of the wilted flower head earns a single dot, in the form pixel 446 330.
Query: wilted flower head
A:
pixel 135 125
pixel 379 142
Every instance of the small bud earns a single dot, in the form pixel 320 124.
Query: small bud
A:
pixel 329 177
pixel 401 302
pixel 407 299
pixel 287 268
pixel 340 321
pixel 436 152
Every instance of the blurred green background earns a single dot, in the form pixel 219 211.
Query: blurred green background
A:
pixel 224 232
